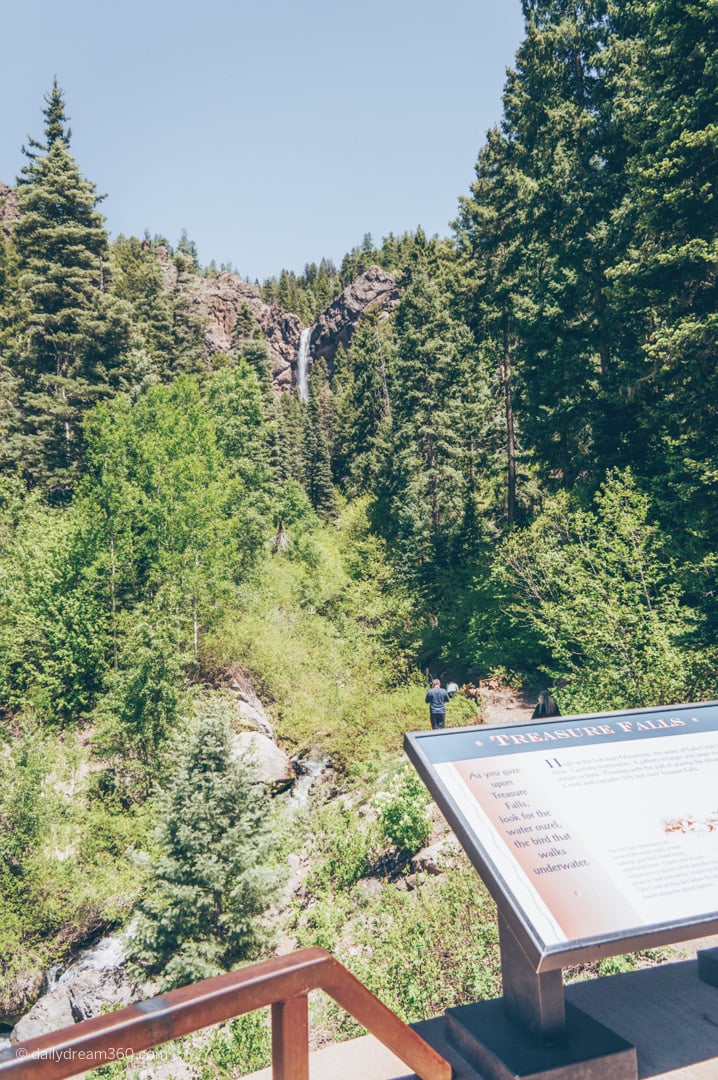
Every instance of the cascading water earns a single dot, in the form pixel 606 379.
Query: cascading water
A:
pixel 108 952
pixel 303 356
pixel 311 769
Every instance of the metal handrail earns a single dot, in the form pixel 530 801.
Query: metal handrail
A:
pixel 282 982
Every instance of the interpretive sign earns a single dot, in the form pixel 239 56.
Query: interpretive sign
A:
pixel 596 835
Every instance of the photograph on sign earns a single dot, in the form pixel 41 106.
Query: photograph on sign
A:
pixel 591 826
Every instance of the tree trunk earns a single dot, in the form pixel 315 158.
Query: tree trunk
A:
pixel 510 436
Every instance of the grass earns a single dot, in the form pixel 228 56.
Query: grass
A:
pixel 320 630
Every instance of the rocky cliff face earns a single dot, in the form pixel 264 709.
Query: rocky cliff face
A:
pixel 335 326
pixel 8 207
pixel 220 299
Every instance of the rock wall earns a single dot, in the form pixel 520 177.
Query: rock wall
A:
pixel 336 325
pixel 221 298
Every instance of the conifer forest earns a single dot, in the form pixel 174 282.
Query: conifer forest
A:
pixel 509 471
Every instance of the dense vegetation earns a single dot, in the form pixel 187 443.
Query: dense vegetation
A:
pixel 515 470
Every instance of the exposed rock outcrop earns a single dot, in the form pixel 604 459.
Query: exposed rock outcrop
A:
pixel 273 765
pixel 87 994
pixel 220 298
pixel 433 859
pixel 19 993
pixel 336 325
pixel 250 707
pixel 9 210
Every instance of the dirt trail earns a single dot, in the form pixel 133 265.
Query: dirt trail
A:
pixel 505 706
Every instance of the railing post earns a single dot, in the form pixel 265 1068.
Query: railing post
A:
pixel 290 1039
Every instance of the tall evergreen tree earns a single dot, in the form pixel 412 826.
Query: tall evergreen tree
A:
pixel 137 279
pixel 73 331
pixel 214 879
pixel 319 420
pixel 421 480
pixel 362 403
pixel 664 284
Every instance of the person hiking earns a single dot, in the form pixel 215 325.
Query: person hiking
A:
pixel 436 699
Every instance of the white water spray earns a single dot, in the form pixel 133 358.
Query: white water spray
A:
pixel 303 356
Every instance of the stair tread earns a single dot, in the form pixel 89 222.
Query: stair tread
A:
pixel 366 1058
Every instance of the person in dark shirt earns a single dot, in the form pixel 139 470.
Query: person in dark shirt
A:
pixel 436 699
pixel 546 706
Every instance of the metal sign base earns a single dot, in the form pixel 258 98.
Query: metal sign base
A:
pixel 708 966
pixel 501 1049
pixel 532 1033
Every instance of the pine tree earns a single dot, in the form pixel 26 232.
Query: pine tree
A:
pixel 137 279
pixel 289 450
pixel 318 440
pixel 74 331
pixel 421 482
pixel 215 878
pixel 362 403
pixel 664 284
pixel 541 229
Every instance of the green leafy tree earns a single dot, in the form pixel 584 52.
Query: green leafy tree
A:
pixel 598 589
pixel 216 875
pixel 54 630
pixel 171 528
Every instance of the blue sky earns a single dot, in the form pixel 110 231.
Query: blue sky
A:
pixel 274 133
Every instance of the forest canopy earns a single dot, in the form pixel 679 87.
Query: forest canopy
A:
pixel 513 469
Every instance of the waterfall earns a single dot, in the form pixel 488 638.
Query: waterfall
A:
pixel 303 356
pixel 311 769
pixel 108 952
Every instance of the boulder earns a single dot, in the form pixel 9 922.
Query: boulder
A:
pixel 94 992
pixel 20 992
pixel 250 707
pixel 51 1012
pixel 432 859
pixel 88 993
pixel 273 764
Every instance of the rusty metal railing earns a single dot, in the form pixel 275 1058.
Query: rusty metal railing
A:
pixel 282 982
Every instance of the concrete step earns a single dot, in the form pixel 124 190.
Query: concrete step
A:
pixel 366 1058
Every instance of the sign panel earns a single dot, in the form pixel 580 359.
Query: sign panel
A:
pixel 595 834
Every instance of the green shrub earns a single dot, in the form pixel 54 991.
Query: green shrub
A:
pixel 244 1045
pixel 404 813
pixel 345 845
